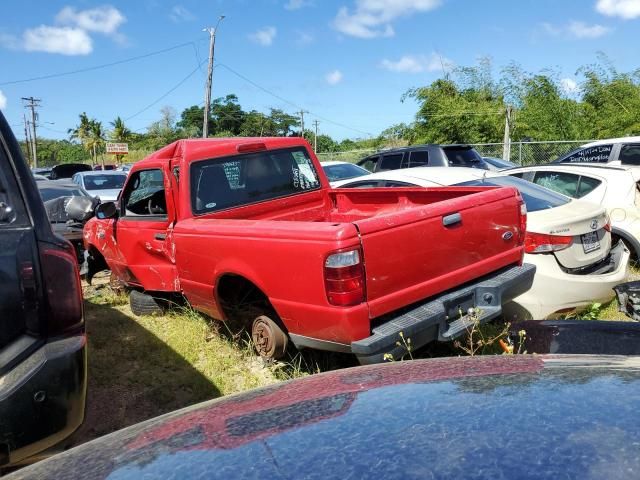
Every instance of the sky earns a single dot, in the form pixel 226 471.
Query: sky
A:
pixel 346 63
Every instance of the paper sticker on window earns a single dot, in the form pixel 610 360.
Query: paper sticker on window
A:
pixel 211 205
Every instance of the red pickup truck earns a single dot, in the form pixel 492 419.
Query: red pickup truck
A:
pixel 249 230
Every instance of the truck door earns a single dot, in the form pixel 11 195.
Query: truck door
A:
pixel 143 232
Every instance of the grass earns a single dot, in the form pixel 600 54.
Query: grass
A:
pixel 142 367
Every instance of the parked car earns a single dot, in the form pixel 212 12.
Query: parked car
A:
pixel 612 151
pixel 44 171
pixel 250 231
pixel 40 178
pixel 56 195
pixel 507 416
pixel 342 170
pixel 104 185
pixel 615 188
pixel 42 338
pixel 498 164
pixel 430 155
pixel 68 170
pixel 569 241
pixel 105 167
pixel 125 167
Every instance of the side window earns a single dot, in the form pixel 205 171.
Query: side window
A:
pixel 519 175
pixel 587 185
pixel 564 183
pixel 390 162
pixel 369 163
pixel 364 184
pixel 144 195
pixel 395 183
pixel 630 155
pixel 597 154
pixel 418 159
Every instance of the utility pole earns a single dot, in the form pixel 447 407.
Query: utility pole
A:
pixel 506 148
pixel 33 103
pixel 27 137
pixel 207 90
pixel 315 137
pixel 302 112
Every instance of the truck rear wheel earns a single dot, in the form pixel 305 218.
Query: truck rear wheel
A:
pixel 144 304
pixel 269 340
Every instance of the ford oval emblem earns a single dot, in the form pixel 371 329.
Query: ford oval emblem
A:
pixel 594 224
pixel 506 236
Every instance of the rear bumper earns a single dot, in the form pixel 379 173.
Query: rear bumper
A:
pixel 439 319
pixel 42 399
pixel 554 290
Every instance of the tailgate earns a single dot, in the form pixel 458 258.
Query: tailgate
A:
pixel 424 250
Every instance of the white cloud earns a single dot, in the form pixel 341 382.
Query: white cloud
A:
pixel 569 86
pixel 417 64
pixel 180 13
pixel 575 29
pixel 582 30
pixel 372 18
pixel 304 38
pixel 62 40
pixel 297 4
pixel 334 78
pixel 3 101
pixel 264 36
pixel 627 9
pixel 106 19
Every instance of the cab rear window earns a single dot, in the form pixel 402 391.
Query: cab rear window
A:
pixel 228 182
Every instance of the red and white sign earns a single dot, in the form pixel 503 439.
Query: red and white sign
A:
pixel 118 148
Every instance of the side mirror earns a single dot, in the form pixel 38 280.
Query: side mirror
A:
pixel 106 210
pixel 80 209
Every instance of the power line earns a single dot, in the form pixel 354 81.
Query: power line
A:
pixel 297 107
pixel 97 67
pixel 164 95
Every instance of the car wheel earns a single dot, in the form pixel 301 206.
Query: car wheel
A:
pixel 144 304
pixel 269 340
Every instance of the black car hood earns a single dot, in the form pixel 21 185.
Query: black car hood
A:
pixel 485 417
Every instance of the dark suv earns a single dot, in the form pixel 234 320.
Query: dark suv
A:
pixel 42 337
pixel 430 155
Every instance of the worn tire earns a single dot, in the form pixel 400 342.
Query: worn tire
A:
pixel 144 304
pixel 269 339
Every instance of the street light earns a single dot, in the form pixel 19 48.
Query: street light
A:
pixel 207 91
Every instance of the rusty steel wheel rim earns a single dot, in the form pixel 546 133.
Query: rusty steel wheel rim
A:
pixel 263 337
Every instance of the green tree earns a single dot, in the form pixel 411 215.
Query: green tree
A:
pixel 120 134
pixel 191 121
pixel 227 115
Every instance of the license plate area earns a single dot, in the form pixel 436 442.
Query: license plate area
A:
pixel 459 307
pixel 590 242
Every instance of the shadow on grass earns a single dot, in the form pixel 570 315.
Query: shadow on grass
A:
pixel 133 375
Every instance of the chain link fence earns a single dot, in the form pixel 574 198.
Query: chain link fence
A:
pixel 530 153
pixel 522 153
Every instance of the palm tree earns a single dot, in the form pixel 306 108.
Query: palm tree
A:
pixel 120 133
pixel 82 130
pixel 95 140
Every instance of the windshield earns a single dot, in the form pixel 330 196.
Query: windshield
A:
pixel 222 183
pixel 49 193
pixel 464 157
pixel 343 171
pixel 104 182
pixel 535 197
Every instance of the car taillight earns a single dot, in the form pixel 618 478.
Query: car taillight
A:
pixel 62 288
pixel 542 243
pixel 523 223
pixel 607 225
pixel 344 278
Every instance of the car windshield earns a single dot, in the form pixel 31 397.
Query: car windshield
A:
pixel 104 182
pixel 343 171
pixel 50 193
pixel 535 197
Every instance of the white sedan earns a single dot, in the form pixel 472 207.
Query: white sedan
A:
pixel 103 184
pixel 336 171
pixel 569 241
pixel 615 188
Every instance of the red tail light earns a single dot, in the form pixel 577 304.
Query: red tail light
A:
pixel 541 243
pixel 607 225
pixel 62 289
pixel 344 278
pixel 523 223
